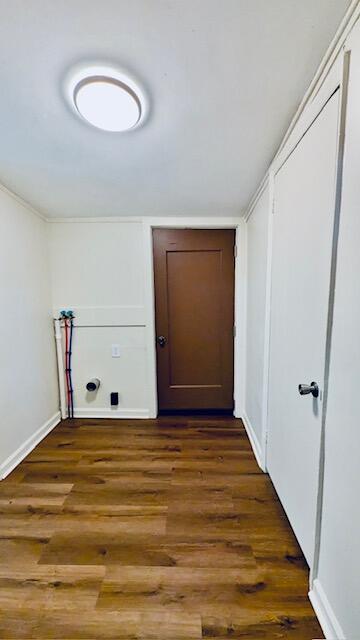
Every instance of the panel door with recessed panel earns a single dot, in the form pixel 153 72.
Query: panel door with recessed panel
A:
pixel 194 299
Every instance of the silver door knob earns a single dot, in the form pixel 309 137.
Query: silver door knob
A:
pixel 305 389
pixel 161 340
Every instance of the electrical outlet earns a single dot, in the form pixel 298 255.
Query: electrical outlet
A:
pixel 115 351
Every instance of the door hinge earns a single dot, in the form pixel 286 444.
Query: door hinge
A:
pixel 234 331
pixel 235 251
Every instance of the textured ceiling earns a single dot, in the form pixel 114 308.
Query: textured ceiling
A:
pixel 224 78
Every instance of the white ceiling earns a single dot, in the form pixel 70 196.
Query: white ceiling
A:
pixel 224 78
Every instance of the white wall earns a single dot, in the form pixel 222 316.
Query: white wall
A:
pixel 103 271
pixel 98 271
pixel 339 561
pixel 257 255
pixel 335 591
pixel 28 390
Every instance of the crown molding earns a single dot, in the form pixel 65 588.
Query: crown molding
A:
pixel 23 203
pixel 256 197
pixel 347 24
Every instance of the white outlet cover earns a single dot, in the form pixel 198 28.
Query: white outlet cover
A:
pixel 115 351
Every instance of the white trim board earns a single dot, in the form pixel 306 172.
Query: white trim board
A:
pixel 268 182
pixel 324 613
pixel 257 195
pixel 105 315
pixel 163 221
pixel 255 444
pixel 129 414
pixel 15 458
pixel 193 222
pixel 240 318
pixel 96 219
pixel 267 322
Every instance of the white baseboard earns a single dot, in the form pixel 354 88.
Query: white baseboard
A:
pixel 253 440
pixel 112 413
pixel 15 458
pixel 325 613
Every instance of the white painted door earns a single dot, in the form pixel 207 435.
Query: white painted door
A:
pixel 302 245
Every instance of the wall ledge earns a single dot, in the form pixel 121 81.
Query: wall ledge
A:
pixel 325 613
pixel 15 458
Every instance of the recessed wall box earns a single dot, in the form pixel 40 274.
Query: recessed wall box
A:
pixel 114 398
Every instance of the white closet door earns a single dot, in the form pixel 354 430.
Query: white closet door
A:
pixel 302 245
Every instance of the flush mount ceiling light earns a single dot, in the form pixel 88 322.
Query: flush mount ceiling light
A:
pixel 107 98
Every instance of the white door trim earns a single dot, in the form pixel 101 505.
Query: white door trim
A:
pixel 240 299
pixel 266 368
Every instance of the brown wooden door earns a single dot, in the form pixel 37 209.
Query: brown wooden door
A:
pixel 194 300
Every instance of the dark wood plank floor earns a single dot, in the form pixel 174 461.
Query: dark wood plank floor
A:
pixel 162 529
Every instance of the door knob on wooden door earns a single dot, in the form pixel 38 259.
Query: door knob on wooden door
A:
pixel 305 389
pixel 161 340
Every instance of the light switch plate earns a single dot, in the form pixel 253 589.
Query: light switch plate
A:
pixel 115 351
